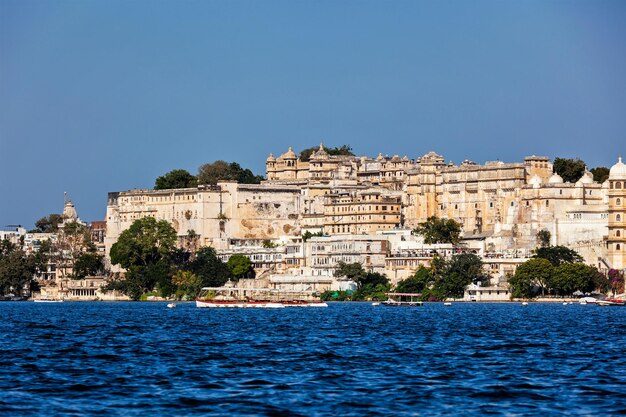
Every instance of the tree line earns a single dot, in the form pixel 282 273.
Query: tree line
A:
pixel 208 174
pixel 444 278
pixel 73 252
pixel 154 264
pixel 556 271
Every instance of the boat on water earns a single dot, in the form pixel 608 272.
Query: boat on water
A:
pixel 231 297
pixel 403 299
pixel 611 302
pixel 48 299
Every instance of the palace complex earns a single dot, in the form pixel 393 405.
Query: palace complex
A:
pixel 501 207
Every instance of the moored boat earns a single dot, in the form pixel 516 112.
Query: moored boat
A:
pixel 231 297
pixel 403 299
pixel 48 299
pixel 611 302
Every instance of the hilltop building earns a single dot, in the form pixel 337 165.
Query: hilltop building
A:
pixel 501 206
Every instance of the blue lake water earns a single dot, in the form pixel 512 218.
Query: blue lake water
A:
pixel 347 359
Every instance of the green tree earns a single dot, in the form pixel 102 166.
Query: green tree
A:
pixel 88 264
pixel 571 170
pixel 455 274
pixel 436 230
pixel 212 271
pixel 532 273
pixel 305 154
pixel 543 238
pixel 224 171
pixel 239 266
pixel 557 255
pixel 178 178
pixel 353 271
pixel 16 269
pixel 308 235
pixel 571 277
pixel 600 174
pixel 268 244
pixel 144 250
pixel 188 283
pixel 49 224
pixel 416 283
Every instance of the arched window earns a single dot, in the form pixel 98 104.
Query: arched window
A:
pixel 618 202
pixel 512 204
pixel 617 247
pixel 547 203
pixel 617 233
pixel 618 218
pixel 611 185
pixel 618 185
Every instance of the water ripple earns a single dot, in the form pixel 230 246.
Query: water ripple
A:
pixel 349 359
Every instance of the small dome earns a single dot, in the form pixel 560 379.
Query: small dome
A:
pixel 587 178
pixel 320 153
pixel 380 157
pixel 535 181
pixel 396 158
pixel 290 154
pixel 271 158
pixel 555 179
pixel 618 171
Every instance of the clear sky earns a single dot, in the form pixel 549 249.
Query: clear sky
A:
pixel 99 96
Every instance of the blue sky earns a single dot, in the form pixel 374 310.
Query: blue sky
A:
pixel 99 96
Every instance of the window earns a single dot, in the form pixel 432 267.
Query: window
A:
pixel 618 202
pixel 618 218
pixel 547 203
pixel 617 247
pixel 617 233
pixel 618 185
pixel 512 204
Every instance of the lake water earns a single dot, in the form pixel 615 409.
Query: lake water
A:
pixel 347 359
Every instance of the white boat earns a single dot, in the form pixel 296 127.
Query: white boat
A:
pixel 48 299
pixel 171 305
pixel 403 299
pixel 524 303
pixel 611 302
pixel 231 297
pixel 376 304
pixel 447 304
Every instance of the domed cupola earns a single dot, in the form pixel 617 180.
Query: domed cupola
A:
pixel 290 154
pixel 587 178
pixel 270 158
pixel 555 179
pixel 618 171
pixel 535 181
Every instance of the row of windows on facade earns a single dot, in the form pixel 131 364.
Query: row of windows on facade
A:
pixel 616 185
pixel 177 215
pixel 361 229
pixel 160 198
pixel 334 260
pixel 352 219
pixel 369 208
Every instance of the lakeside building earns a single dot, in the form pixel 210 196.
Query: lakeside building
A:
pixel 501 207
